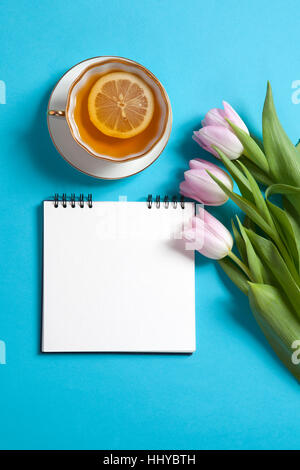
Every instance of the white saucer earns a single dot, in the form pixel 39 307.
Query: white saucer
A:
pixel 74 153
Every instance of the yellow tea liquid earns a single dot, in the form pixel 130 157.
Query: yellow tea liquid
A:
pixel 112 146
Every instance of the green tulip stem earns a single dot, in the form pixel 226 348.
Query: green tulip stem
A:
pixel 241 265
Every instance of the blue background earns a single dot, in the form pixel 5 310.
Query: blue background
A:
pixel 232 393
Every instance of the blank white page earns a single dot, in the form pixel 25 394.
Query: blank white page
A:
pixel 117 278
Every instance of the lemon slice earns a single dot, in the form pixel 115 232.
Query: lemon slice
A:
pixel 121 105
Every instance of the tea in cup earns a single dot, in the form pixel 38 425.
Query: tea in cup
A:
pixel 117 110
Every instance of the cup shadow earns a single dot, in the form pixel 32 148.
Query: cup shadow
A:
pixel 187 148
pixel 44 155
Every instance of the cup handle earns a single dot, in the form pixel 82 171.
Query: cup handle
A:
pixel 52 112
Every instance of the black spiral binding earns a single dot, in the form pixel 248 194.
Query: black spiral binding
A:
pixel 81 201
pixel 166 202
pixel 73 200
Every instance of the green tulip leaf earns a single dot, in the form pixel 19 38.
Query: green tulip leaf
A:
pixel 282 155
pixel 252 151
pixel 258 197
pixel 288 222
pixel 286 230
pixel 248 223
pixel 258 141
pixel 252 212
pixel 258 174
pixel 292 193
pixel 236 174
pixel 278 323
pixel 246 206
pixel 271 257
pixel 294 219
pixel 239 243
pixel 282 189
pixel 292 213
pixel 235 274
pixel 256 268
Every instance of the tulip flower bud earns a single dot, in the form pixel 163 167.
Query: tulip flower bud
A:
pixel 211 238
pixel 217 131
pixel 220 137
pixel 200 186
pixel 217 117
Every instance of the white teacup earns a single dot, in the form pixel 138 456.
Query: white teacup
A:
pixel 126 151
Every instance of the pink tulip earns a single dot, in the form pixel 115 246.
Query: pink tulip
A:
pixel 216 131
pixel 220 137
pixel 209 236
pixel 217 117
pixel 200 186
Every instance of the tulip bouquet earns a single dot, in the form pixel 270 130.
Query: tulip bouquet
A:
pixel 266 261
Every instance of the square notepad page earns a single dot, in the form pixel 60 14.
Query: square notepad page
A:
pixel 117 278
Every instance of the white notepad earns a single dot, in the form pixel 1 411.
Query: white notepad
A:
pixel 117 278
